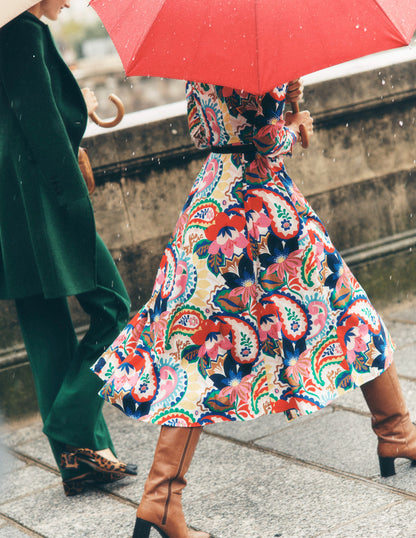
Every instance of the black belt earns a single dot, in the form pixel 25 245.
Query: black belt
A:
pixel 234 148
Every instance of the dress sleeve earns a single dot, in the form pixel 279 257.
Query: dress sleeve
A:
pixel 195 123
pixel 271 136
pixel 27 84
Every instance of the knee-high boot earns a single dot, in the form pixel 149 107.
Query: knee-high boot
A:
pixel 161 506
pixel 390 420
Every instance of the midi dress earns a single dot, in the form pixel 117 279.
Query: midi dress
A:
pixel 253 310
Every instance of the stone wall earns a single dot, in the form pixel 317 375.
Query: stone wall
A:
pixel 358 174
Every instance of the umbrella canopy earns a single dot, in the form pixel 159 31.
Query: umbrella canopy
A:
pixel 9 9
pixel 250 44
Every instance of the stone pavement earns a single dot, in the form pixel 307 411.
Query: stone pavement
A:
pixel 316 476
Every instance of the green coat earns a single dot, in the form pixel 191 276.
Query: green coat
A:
pixel 47 229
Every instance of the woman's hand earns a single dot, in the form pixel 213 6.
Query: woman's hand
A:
pixel 294 121
pixel 294 92
pixel 90 100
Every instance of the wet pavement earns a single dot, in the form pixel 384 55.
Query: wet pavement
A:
pixel 316 476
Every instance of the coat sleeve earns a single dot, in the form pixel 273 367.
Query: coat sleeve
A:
pixel 27 84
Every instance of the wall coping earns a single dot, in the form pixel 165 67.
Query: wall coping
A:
pixel 141 117
pixel 384 63
pixel 161 133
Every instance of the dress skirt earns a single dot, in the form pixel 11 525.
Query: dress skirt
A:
pixel 253 310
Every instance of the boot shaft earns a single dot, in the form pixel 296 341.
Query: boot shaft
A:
pixel 390 416
pixel 161 502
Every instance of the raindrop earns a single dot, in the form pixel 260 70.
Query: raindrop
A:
pixel 174 132
pixel 401 123
pixel 383 82
pixel 357 26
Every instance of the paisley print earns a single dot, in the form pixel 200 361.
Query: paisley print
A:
pixel 253 310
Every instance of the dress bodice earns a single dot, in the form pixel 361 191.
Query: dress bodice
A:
pixel 219 116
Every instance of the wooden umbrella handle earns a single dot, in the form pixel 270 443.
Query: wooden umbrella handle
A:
pixel 110 123
pixel 303 134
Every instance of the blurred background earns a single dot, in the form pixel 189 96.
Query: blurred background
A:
pixel 90 53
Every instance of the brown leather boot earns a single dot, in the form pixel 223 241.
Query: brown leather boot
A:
pixel 390 420
pixel 161 506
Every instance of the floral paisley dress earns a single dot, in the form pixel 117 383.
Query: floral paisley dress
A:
pixel 253 310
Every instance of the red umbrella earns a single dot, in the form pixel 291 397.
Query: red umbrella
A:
pixel 250 44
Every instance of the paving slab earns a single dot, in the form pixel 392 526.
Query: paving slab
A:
pixel 340 440
pixel 403 334
pixel 402 314
pixel 252 430
pixel 405 359
pixel 295 502
pixel 395 521
pixel 24 481
pixel 16 433
pixel 37 449
pixel 218 463
pixel 7 531
pixel 354 400
pixel 404 479
pixel 91 515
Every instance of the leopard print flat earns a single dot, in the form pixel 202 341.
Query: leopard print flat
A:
pixel 102 470
pixel 72 458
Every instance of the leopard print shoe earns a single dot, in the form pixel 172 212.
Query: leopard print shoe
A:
pixel 101 470
pixel 99 463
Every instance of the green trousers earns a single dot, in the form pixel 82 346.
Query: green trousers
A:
pixel 66 388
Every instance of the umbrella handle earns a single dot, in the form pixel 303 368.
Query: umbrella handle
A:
pixel 110 123
pixel 303 134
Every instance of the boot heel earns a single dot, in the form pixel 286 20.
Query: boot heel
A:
pixel 386 466
pixel 142 529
